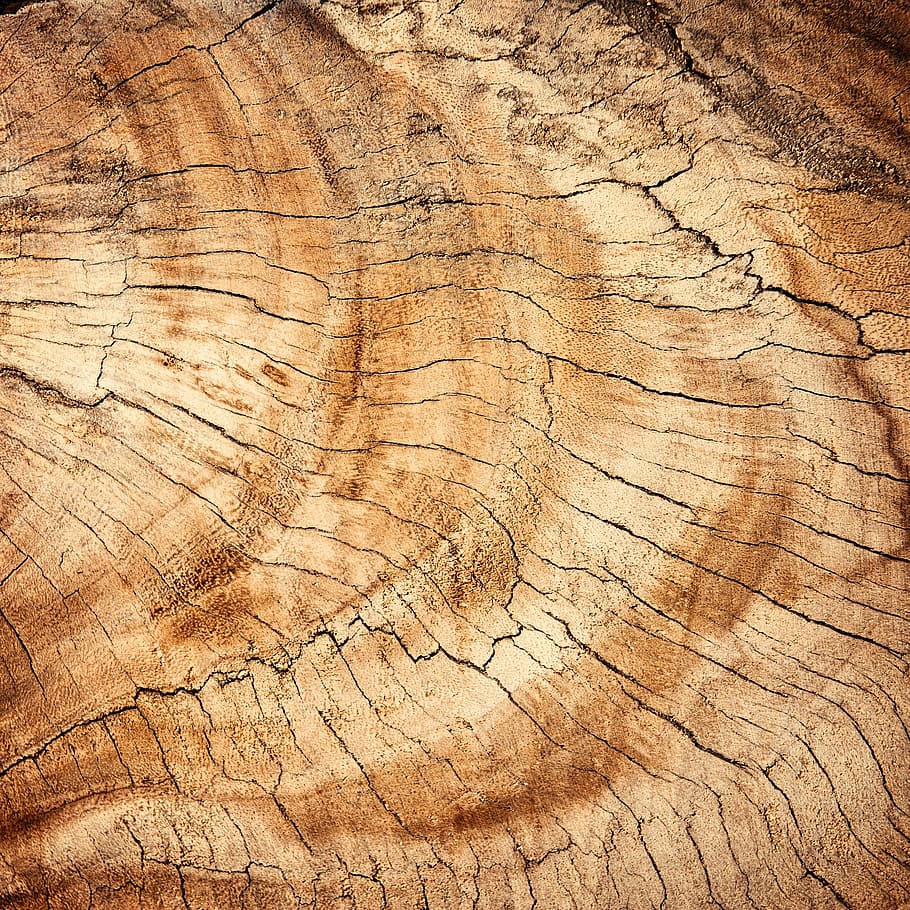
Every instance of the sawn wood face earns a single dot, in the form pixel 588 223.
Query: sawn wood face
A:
pixel 454 455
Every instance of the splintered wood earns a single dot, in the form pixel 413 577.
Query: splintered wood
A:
pixel 454 455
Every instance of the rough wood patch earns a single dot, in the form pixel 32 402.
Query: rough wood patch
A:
pixel 454 455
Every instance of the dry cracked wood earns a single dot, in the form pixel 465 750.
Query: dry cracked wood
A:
pixel 454 454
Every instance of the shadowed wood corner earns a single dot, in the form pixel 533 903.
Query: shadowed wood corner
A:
pixel 454 455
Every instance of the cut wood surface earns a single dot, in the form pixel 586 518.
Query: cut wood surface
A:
pixel 454 455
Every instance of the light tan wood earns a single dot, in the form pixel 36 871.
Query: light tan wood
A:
pixel 454 455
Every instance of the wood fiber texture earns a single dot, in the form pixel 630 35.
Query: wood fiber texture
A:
pixel 454 454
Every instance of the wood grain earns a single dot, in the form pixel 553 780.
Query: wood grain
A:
pixel 454 454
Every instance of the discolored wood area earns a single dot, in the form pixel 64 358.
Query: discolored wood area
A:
pixel 454 455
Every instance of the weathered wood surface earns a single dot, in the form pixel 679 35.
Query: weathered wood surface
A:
pixel 454 454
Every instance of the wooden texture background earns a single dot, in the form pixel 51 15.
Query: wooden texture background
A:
pixel 454 454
